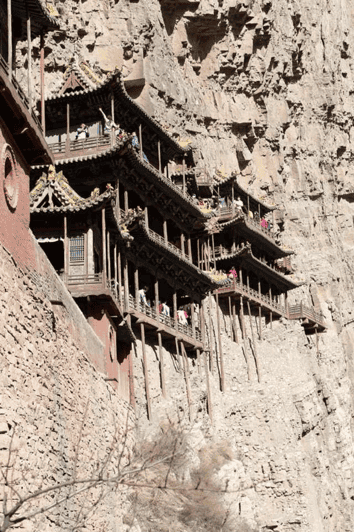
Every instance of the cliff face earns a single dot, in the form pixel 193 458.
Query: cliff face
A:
pixel 264 88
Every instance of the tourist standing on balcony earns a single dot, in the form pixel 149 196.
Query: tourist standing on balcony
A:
pixel 232 273
pixel 264 223
pixel 165 309
pixel 109 125
pixel 142 296
pixel 238 203
pixel 181 314
pixel 82 132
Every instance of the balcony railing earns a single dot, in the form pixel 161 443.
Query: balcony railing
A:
pixel 61 150
pixel 5 68
pixel 165 243
pixel 230 212
pixel 169 321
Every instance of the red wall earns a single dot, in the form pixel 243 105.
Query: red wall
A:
pixel 14 222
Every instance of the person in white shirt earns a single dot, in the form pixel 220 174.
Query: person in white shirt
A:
pixel 142 296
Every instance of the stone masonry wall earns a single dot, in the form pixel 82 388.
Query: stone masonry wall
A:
pixel 63 412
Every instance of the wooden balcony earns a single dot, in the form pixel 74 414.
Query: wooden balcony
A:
pixel 168 245
pixel 225 214
pixel 169 327
pixel 5 69
pixel 81 147
pixel 310 319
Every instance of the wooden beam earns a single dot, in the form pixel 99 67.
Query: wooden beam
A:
pixel 126 283
pixel 187 379
pixel 255 354
pixel 165 233
pixel 136 285
pixel 156 289
pixel 146 372
pixel 126 201
pixel 131 371
pixel 184 174
pixel 211 339
pixel 209 396
pixel 230 316
pixel 221 356
pixel 189 246
pixel 244 336
pixel 162 366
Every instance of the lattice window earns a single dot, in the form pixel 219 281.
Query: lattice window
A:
pixel 77 250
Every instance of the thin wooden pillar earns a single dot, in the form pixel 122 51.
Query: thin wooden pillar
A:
pixel 131 371
pixel 29 61
pixel 162 366
pixel 109 258
pixel 67 145
pixel 9 37
pixel 187 379
pixel 244 336
pixel 66 248
pixel 136 285
pixel 207 377
pixel 234 321
pixel 271 302
pixel 230 315
pixel 112 105
pixel 126 201
pixel 260 322
pixel 317 348
pixel 42 82
pixel 159 154
pixel 115 271
pixel 198 254
pixel 119 266
pixel 117 201
pixel 233 198
pixel 202 322
pixel 211 339
pixel 213 242
pixel 255 354
pixel 146 214
pixel 184 174
pixel 146 372
pixel 248 205
pixel 141 140
pixel 165 233
pixel 174 307
pixel 221 356
pixel 104 248
pixel 182 244
pixel 189 247
pixel 126 283
pixel 156 288
pixel 192 318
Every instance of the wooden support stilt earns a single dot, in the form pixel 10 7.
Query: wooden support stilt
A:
pixel 174 307
pixel 126 284
pixel 260 322
pixel 198 361
pixel 209 396
pixel 67 144
pixel 187 379
pixel 234 322
pixel 156 290
pixel 221 356
pixel 198 254
pixel 165 233
pixel 131 371
pixel 271 319
pixel 211 338
pixel 255 353
pixel 126 201
pixel 213 243
pixel 146 373
pixel 184 175
pixel 136 284
pixel 162 366
pixel 244 336
pixel 317 349
pixel 230 316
